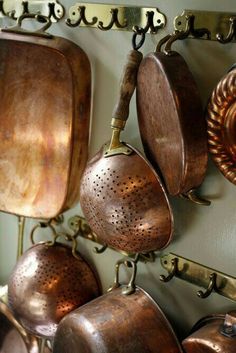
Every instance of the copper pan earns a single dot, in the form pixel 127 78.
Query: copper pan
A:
pixel 117 323
pixel 171 120
pixel 44 113
pixel 46 284
pixel 215 334
pixel 221 122
pixel 122 197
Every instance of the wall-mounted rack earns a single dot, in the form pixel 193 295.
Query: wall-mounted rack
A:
pixel 219 26
pixel 124 18
pixel 51 9
pixel 200 275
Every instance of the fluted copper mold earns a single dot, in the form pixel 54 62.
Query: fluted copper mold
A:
pixel 117 323
pixel 46 284
pixel 221 120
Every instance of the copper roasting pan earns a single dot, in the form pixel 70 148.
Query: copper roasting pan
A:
pixel 45 89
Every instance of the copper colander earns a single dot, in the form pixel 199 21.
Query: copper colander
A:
pixel 47 283
pixel 121 195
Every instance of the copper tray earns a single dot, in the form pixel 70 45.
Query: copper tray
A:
pixel 44 123
pixel 221 121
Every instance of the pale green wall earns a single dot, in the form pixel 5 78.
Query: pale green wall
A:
pixel 207 235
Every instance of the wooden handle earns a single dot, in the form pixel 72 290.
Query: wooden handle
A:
pixel 127 87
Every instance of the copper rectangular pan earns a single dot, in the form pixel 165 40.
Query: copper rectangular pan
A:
pixel 45 90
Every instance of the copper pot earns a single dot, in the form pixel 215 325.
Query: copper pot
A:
pixel 46 284
pixel 117 323
pixel 213 334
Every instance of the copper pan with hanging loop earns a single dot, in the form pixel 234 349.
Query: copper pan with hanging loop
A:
pixel 171 119
pixel 124 320
pixel 122 197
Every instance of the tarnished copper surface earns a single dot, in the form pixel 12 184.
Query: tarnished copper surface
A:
pixel 117 323
pixel 208 337
pixel 47 283
pixel 13 337
pixel 221 119
pixel 171 121
pixel 44 124
pixel 125 204
pixel 121 195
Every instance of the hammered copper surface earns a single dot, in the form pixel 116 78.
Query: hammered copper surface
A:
pixel 125 204
pixel 44 124
pixel 117 323
pixel 47 283
pixel 13 338
pixel 221 119
pixel 171 121
pixel 209 339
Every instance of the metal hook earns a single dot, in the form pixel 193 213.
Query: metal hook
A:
pixel 114 21
pixel 53 13
pixel 211 287
pixel 231 34
pixel 162 42
pixel 189 29
pixel 192 196
pixel 100 250
pixel 173 272
pixel 82 18
pixel 10 14
pixel 149 25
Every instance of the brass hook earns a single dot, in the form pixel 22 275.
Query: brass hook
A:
pixel 149 25
pixel 189 30
pixel 231 34
pixel 114 21
pixel 173 272
pixel 10 14
pixel 82 18
pixel 192 196
pixel 211 287
pixel 100 250
pixel 53 13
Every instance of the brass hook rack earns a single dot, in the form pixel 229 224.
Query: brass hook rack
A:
pixel 213 281
pixel 111 16
pixel 79 225
pixel 51 9
pixel 210 25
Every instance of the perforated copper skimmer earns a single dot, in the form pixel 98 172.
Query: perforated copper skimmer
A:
pixel 122 197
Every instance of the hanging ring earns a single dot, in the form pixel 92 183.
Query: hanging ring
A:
pixel 231 34
pixel 130 287
pixel 114 21
pixel 211 287
pixel 137 46
pixel 44 225
pixel 173 272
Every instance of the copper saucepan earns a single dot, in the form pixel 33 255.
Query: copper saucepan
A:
pixel 122 197
pixel 47 283
pixel 215 334
pixel 117 323
pixel 171 120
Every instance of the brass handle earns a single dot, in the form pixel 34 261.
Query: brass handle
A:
pixel 39 33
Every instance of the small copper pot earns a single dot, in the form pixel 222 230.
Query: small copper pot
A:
pixel 213 334
pixel 46 284
pixel 125 320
